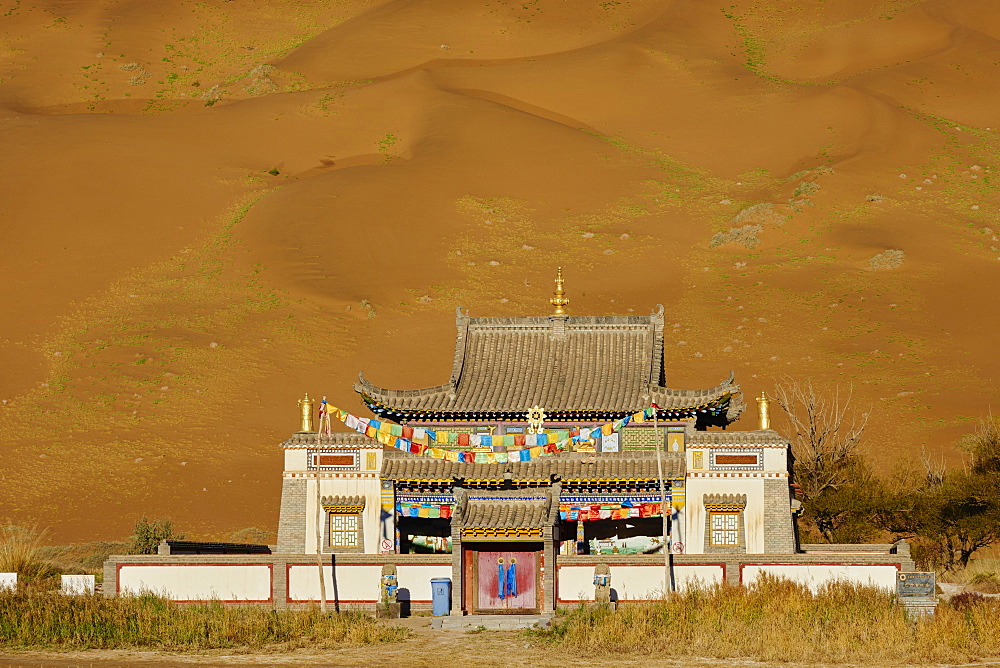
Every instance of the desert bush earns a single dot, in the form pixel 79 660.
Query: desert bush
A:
pixel 762 213
pixel 21 553
pixel 147 535
pixel 889 259
pixel 966 600
pixel 261 82
pixel 875 197
pixel 805 189
pixel 748 236
pixel 777 620
pixel 212 95
pixel 43 620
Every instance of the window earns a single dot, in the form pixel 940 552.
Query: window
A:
pixel 725 528
pixel 344 529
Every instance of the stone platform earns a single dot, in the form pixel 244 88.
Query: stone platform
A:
pixel 491 622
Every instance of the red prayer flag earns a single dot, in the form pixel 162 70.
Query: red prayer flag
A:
pixel 408 433
pixel 463 439
pixel 519 440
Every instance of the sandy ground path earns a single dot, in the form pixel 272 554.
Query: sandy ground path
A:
pixel 451 649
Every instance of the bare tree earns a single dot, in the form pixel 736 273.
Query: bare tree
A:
pixel 828 432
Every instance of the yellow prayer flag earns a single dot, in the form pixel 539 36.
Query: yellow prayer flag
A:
pixel 451 455
pixel 441 436
pixel 535 452
pixel 437 453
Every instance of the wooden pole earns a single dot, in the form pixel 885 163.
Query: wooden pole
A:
pixel 319 529
pixel 660 444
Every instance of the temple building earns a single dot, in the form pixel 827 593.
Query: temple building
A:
pixel 554 467
pixel 514 379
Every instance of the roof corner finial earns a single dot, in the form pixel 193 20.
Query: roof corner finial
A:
pixel 559 300
pixel 764 408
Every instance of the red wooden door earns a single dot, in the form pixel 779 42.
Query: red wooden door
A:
pixel 493 574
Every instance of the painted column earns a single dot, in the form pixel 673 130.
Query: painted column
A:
pixel 387 537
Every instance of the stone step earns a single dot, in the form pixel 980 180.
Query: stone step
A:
pixel 491 622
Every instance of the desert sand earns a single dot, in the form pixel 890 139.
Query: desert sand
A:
pixel 212 207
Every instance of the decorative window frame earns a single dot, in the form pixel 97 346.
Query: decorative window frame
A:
pixel 714 466
pixel 728 504
pixel 312 455
pixel 355 511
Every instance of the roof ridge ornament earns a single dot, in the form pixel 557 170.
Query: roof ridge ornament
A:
pixel 560 301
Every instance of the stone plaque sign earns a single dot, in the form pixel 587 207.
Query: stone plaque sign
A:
pixel 910 584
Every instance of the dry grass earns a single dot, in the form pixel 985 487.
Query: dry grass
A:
pixel 777 620
pixel 21 553
pixel 41 620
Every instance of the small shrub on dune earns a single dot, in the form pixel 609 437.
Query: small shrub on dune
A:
pixel 890 259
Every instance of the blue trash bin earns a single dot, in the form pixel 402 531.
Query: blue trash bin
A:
pixel 441 596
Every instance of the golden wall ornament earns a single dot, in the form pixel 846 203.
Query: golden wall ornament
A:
pixel 536 416
pixel 560 301
pixel 306 405
pixel 764 409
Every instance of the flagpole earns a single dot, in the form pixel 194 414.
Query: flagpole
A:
pixel 324 416
pixel 660 444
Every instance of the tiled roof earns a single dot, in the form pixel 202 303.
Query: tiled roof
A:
pixel 620 466
pixel 601 364
pixel 506 514
pixel 354 501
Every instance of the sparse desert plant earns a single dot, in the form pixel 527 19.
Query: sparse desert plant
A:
pixel 762 213
pixel 874 197
pixel 20 552
pixel 212 95
pixel 747 235
pixel 261 82
pixel 147 535
pixel 890 259
pixel 366 305
pixel 805 189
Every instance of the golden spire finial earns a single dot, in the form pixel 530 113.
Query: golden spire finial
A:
pixel 764 409
pixel 307 413
pixel 559 301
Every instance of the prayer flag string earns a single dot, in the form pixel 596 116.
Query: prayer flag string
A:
pixel 440 444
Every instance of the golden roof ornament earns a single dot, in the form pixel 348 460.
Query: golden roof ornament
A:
pixel 306 405
pixel 764 410
pixel 559 300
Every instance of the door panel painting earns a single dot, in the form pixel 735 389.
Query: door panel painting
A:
pixel 506 581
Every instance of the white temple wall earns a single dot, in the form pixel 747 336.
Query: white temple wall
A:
pixel 696 515
pixel 634 582
pixel 187 582
pixel 815 575
pixel 367 487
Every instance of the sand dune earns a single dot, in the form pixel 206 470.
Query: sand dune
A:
pixel 212 207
